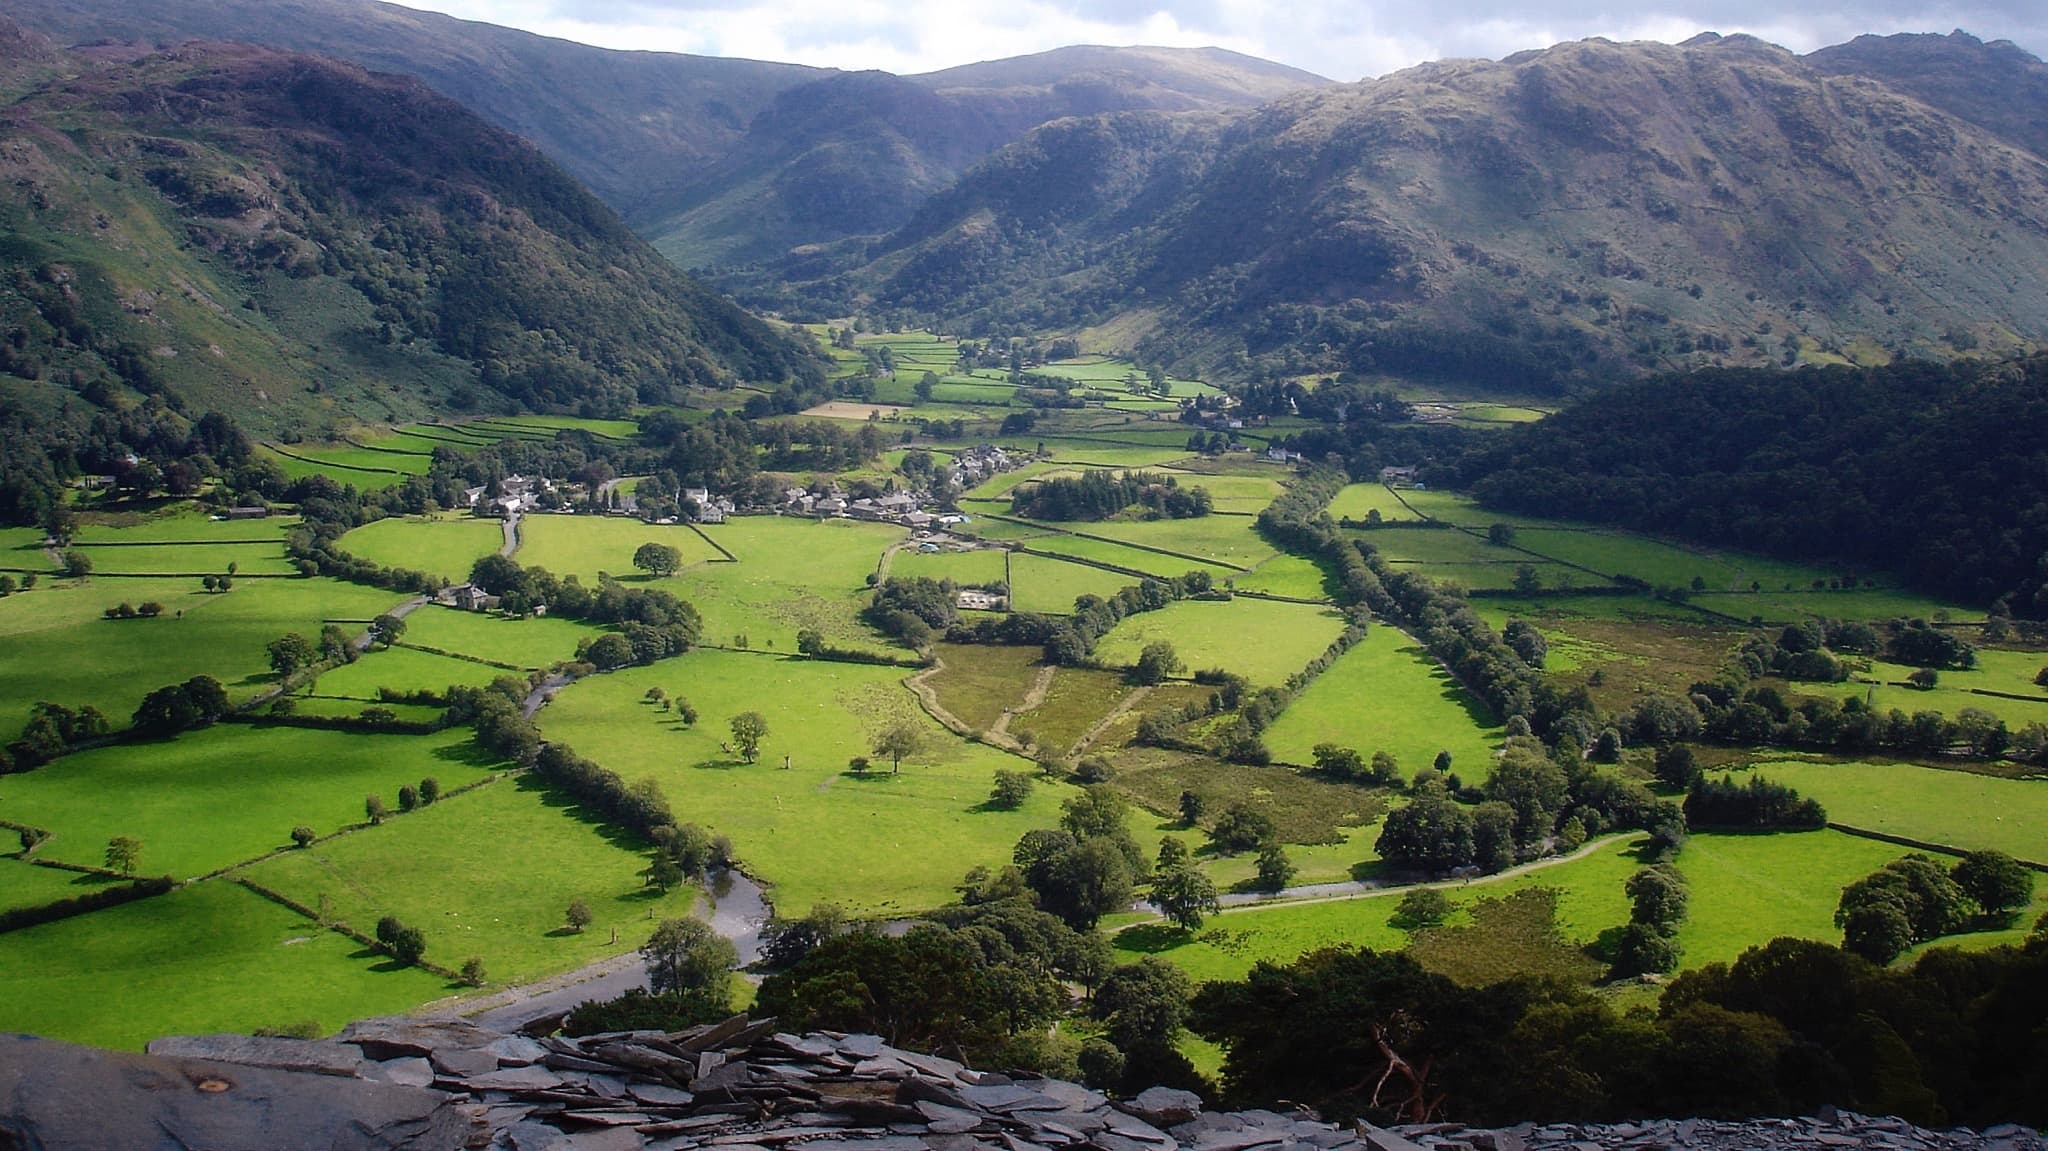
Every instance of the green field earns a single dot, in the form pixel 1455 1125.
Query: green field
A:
pixel 1439 546
pixel 21 549
pixel 1387 694
pixel 1043 584
pixel 1226 540
pixel 884 844
pixel 23 884
pixel 527 643
pixel 1356 501
pixel 188 559
pixel 1496 576
pixel 1286 575
pixel 226 794
pixel 792 574
pixel 371 479
pixel 445 545
pixel 583 546
pixel 55 644
pixel 975 567
pixel 1590 901
pixel 402 669
pixel 1263 640
pixel 1874 604
pixel 486 873
pixel 1956 808
pixel 179 524
pixel 209 958
pixel 1750 889
pixel 1135 559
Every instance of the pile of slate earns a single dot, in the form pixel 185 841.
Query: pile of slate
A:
pixel 1832 1128
pixel 741 1085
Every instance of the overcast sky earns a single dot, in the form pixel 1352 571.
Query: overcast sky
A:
pixel 1342 39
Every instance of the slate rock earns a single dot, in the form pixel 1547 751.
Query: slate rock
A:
pixel 616 1139
pixel 659 1096
pixel 65 1097
pixel 1164 1106
pixel 515 1079
pixel 517 1051
pixel 312 1056
pixel 394 1037
pixel 411 1071
pixel 1381 1139
pixel 463 1062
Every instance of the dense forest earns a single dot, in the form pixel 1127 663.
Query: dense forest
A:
pixel 1934 470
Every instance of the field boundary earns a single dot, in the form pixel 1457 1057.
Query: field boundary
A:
pixel 1119 543
pixel 466 658
pixel 342 467
pixel 1920 844
pixel 715 545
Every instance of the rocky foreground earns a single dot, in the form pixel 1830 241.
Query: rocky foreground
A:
pixel 430 1085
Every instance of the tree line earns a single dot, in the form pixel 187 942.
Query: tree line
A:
pixel 1930 469
pixel 1100 495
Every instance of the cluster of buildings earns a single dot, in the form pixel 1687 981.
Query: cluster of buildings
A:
pixel 516 494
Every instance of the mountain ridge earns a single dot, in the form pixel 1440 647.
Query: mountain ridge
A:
pixel 1585 211
pixel 304 242
pixel 668 139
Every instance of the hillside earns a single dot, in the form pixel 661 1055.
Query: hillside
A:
pixel 621 122
pixel 1584 212
pixel 1931 470
pixel 858 154
pixel 716 160
pixel 1999 86
pixel 304 243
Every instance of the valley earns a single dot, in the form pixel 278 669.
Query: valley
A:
pixel 1133 565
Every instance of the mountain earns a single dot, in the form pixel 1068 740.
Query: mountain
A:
pixel 716 160
pixel 1588 211
pixel 624 123
pixel 303 243
pixel 858 154
pixel 1999 86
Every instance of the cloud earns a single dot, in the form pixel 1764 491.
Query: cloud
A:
pixel 1343 39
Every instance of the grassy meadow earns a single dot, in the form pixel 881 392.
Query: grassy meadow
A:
pixel 584 546
pixel 445 545
pixel 1959 809
pixel 1387 694
pixel 1264 640
pixel 882 844
pixel 225 794
pixel 464 870
pixel 208 958
pixel 56 644
pixel 792 574
pixel 530 643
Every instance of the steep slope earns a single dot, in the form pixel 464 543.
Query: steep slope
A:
pixel 1999 86
pixel 300 242
pixel 622 122
pixel 716 160
pixel 858 154
pixel 1588 211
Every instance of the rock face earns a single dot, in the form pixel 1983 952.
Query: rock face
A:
pixel 740 1085
pixel 60 1097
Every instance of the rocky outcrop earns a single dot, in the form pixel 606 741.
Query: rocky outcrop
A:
pixel 741 1085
